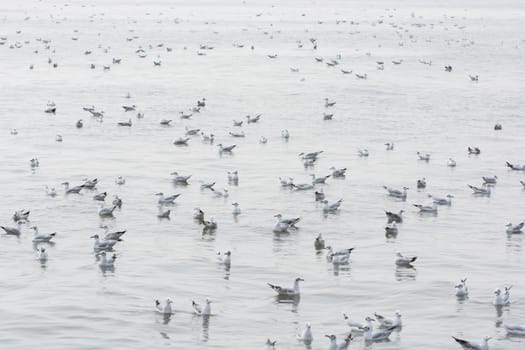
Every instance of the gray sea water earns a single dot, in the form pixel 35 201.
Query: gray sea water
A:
pixel 71 304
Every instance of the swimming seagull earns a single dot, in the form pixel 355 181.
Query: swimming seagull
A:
pixel 473 150
pixel 50 191
pixel 392 229
pixel 164 309
pixel 207 138
pixel 286 182
pixel 442 201
pixel 285 134
pixel 471 346
pixel 233 176
pixel 167 200
pixel 226 258
pixel 102 211
pixel 319 180
pixel 319 242
pixel 389 146
pixel 522 183
pixel 227 149
pixel 34 163
pixel 516 167
pixel 270 345
pixel 514 330
pixel 181 179
pixel 512 229
pixel 165 122
pixel 112 236
pixel 310 155
pixel 306 335
pixel 287 291
pixel 209 225
pixel 120 180
pixel 393 192
pixel 378 336
pixel 404 260
pixel 221 194
pixel 21 214
pixel 100 196
pixel 181 141
pixel 202 311
pixel 263 140
pixel 79 124
pixel 421 183
pixel 490 179
pixel 474 77
pixel 451 163
pixel 69 190
pixel 90 184
pixel 432 208
pixel 251 119
pixel 41 238
pixel 302 187
pixel 319 195
pixel 104 245
pixel 15 231
pixel 128 123
pixel 163 214
pixel 328 116
pixel 328 103
pixel 105 262
pixel 358 326
pixel 502 298
pixel 395 217
pixel 198 214
pixel 425 157
pixel 331 207
pixel 461 288
pixel 362 152
pixel 338 172
pixel 338 257
pixel 129 108
pixel 485 190
pixel 386 322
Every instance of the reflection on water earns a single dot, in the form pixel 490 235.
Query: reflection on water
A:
pixel 405 273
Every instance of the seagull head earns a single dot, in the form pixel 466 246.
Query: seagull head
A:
pixel 497 291
pixel 298 279
pixel 487 338
pixel 159 194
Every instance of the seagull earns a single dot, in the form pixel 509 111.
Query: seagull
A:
pixel 319 180
pixel 227 149
pixel 209 225
pixel 34 163
pixel 166 309
pixel 50 191
pixel 421 183
pixel 221 194
pixel 15 231
pixel 473 150
pixel 287 291
pixel 263 140
pixel 333 342
pixel 328 116
pixel 389 146
pixel 207 138
pixel 120 180
pixel 202 311
pixel 167 200
pixel 497 126
pixel 165 122
pixel 319 195
pixel 310 155
pixel 236 209
pixel 237 134
pixel 21 215
pixel 512 229
pixel 432 208
pixel 451 163
pixel 339 257
pixel 102 211
pixel 59 138
pixel 41 238
pixel 286 182
pixel 104 245
pixel 516 166
pixel 90 184
pixel 285 134
pixel 357 326
pixel 226 258
pixel 490 179
pixel 425 157
pixel 328 103
pixel 128 123
pixel 461 288
pixel 395 217
pixel 105 262
pixel 181 179
pixel 378 336
pixel 396 193
pixel 474 77
pixel 404 260
pixel 387 323
pixel 251 119
pixel 361 76
pixel 100 196
pixel 270 345
pixel 181 141
pixel 79 124
pixel 448 68
pixel 485 190
pixel 392 229
pixel 522 183
pixel 129 108
pixel 290 222
pixel 442 201
pixel 514 330
pixel 331 207
pixel 42 255
pixel 112 236
pixel 338 172
pixel 190 132
pixel 207 185
pixel 362 152
pixel 69 190
pixel 302 187
pixel 319 242
pixel 471 346
pixel 502 298
pixel 233 176
pixel 306 335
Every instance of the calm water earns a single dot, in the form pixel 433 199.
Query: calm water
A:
pixel 70 303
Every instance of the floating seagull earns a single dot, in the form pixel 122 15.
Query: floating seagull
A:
pixel 421 183
pixel 522 183
pixel 209 225
pixel 362 152
pixel 251 119
pixel 502 298
pixel 392 229
pixel 164 309
pixel 442 201
pixel 346 71
pixel 15 231
pixel 21 214
pixel 361 76
pixel 167 200
pixel 112 236
pixel 120 180
pixel 263 140
pixel 237 134
pixel 129 108
pixel 104 245
pixel 59 138
pixel 357 326
pixel 338 172
pixel 485 190
pixel 448 68
pixel 319 242
pixel 90 184
pixel 378 336
pixel 393 192
pixel 310 155
pixel 319 180
pixel 497 126
pixel 69 190
pixel 473 150
pixel 185 115
pixel 287 291
pixel 237 123
pixel 331 207
pixel 236 209
pixel 474 78
pixel 425 157
pixel 339 257
pixel 221 194
pixel 490 179
pixel 128 123
pixel 102 211
pixel 389 146
pixel 461 288
pixel 328 103
pixel 286 182
pixel 202 311
pixel 451 163
pixel 319 195
pixel 404 260
pixel 227 149
pixel 514 330
pixel 471 346
pixel 285 134
pixel 516 166
pixel 165 122
pixel 233 176
pixel 41 238
pixel 191 132
pixel 387 323
pixel 181 141
pixel 50 191
pixel 513 229
pixel 432 208
pixel 270 345
pixel 333 342
pixel 395 217
pixel 181 179
pixel 100 196
pixel 207 185
pixel 302 187
pixel 306 335
pixel 105 262
pixel 79 124
pixel 226 258
pixel 207 138
pixel 34 163
pixel 328 116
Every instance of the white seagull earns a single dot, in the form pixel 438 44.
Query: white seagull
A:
pixel 202 311
pixel 393 192
pixel 461 288
pixel 472 346
pixel 164 309
pixel 404 260
pixel 294 291
pixel 500 298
